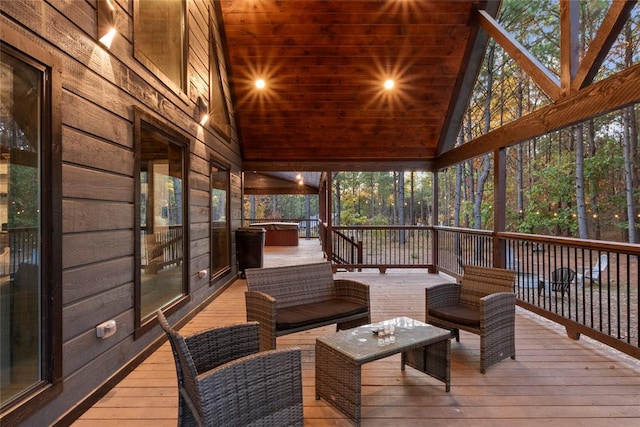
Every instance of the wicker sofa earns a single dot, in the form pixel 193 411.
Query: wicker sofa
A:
pixel 484 304
pixel 290 299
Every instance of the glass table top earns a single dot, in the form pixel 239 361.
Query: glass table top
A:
pixel 387 337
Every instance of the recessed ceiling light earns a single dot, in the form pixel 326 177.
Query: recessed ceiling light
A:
pixel 388 84
pixel 260 84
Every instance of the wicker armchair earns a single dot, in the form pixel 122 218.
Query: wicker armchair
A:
pixel 484 304
pixel 224 381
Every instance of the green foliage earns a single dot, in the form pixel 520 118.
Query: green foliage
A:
pixel 551 198
pixel 24 197
pixel 287 206
pixel 349 216
pixel 379 220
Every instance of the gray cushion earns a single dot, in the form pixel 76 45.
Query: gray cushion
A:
pixel 309 314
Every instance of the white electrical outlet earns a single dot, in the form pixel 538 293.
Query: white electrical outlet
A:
pixel 106 329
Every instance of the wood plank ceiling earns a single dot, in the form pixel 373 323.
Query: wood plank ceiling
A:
pixel 324 63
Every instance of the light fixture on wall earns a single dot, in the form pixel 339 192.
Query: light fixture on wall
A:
pixel 106 17
pixel 203 111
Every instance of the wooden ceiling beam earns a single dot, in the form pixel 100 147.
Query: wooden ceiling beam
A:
pixel 364 7
pixel 617 15
pixel 289 112
pixel 544 78
pixel 609 94
pixel 569 43
pixel 365 53
pixel 317 156
pixel 461 93
pixel 257 183
pixel 347 165
pixel 434 38
pixel 305 15
pixel 320 121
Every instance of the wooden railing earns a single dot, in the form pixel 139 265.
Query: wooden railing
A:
pixel 598 296
pixel 347 251
pixel 381 247
pixel 600 299
pixel 18 246
pixel 161 249
pixel 458 247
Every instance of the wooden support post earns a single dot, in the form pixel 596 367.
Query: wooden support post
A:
pixel 499 205
pixel 435 207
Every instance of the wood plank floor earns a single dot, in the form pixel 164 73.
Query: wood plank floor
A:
pixel 554 381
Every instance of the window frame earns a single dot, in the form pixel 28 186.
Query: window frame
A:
pixel 141 326
pixel 51 383
pixel 217 97
pixel 179 88
pixel 226 168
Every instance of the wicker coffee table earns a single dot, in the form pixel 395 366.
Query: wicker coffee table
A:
pixel 339 358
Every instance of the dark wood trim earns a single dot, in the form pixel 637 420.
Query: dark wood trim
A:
pixel 217 11
pixel 473 59
pixel 222 165
pixel 346 165
pixel 615 92
pixel 178 89
pixel 51 384
pixel 303 190
pixel 595 245
pixel 215 79
pixel 52 245
pixel 435 208
pixel 138 114
pixel 613 22
pixel 499 203
pixel 544 78
pixel 176 137
pixel 569 42
pixel 257 183
pixel 329 216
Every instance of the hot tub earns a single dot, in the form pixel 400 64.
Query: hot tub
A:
pixel 279 233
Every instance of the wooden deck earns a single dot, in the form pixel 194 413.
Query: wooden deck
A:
pixel 554 381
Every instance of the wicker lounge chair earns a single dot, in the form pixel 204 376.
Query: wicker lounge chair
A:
pixel 484 304
pixel 224 381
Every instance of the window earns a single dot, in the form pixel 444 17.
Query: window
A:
pixel 160 38
pixel 218 113
pixel 220 227
pixel 30 311
pixel 161 217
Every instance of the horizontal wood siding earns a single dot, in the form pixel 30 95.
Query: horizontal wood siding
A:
pixel 100 90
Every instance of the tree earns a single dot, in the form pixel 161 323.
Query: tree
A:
pixel 580 197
